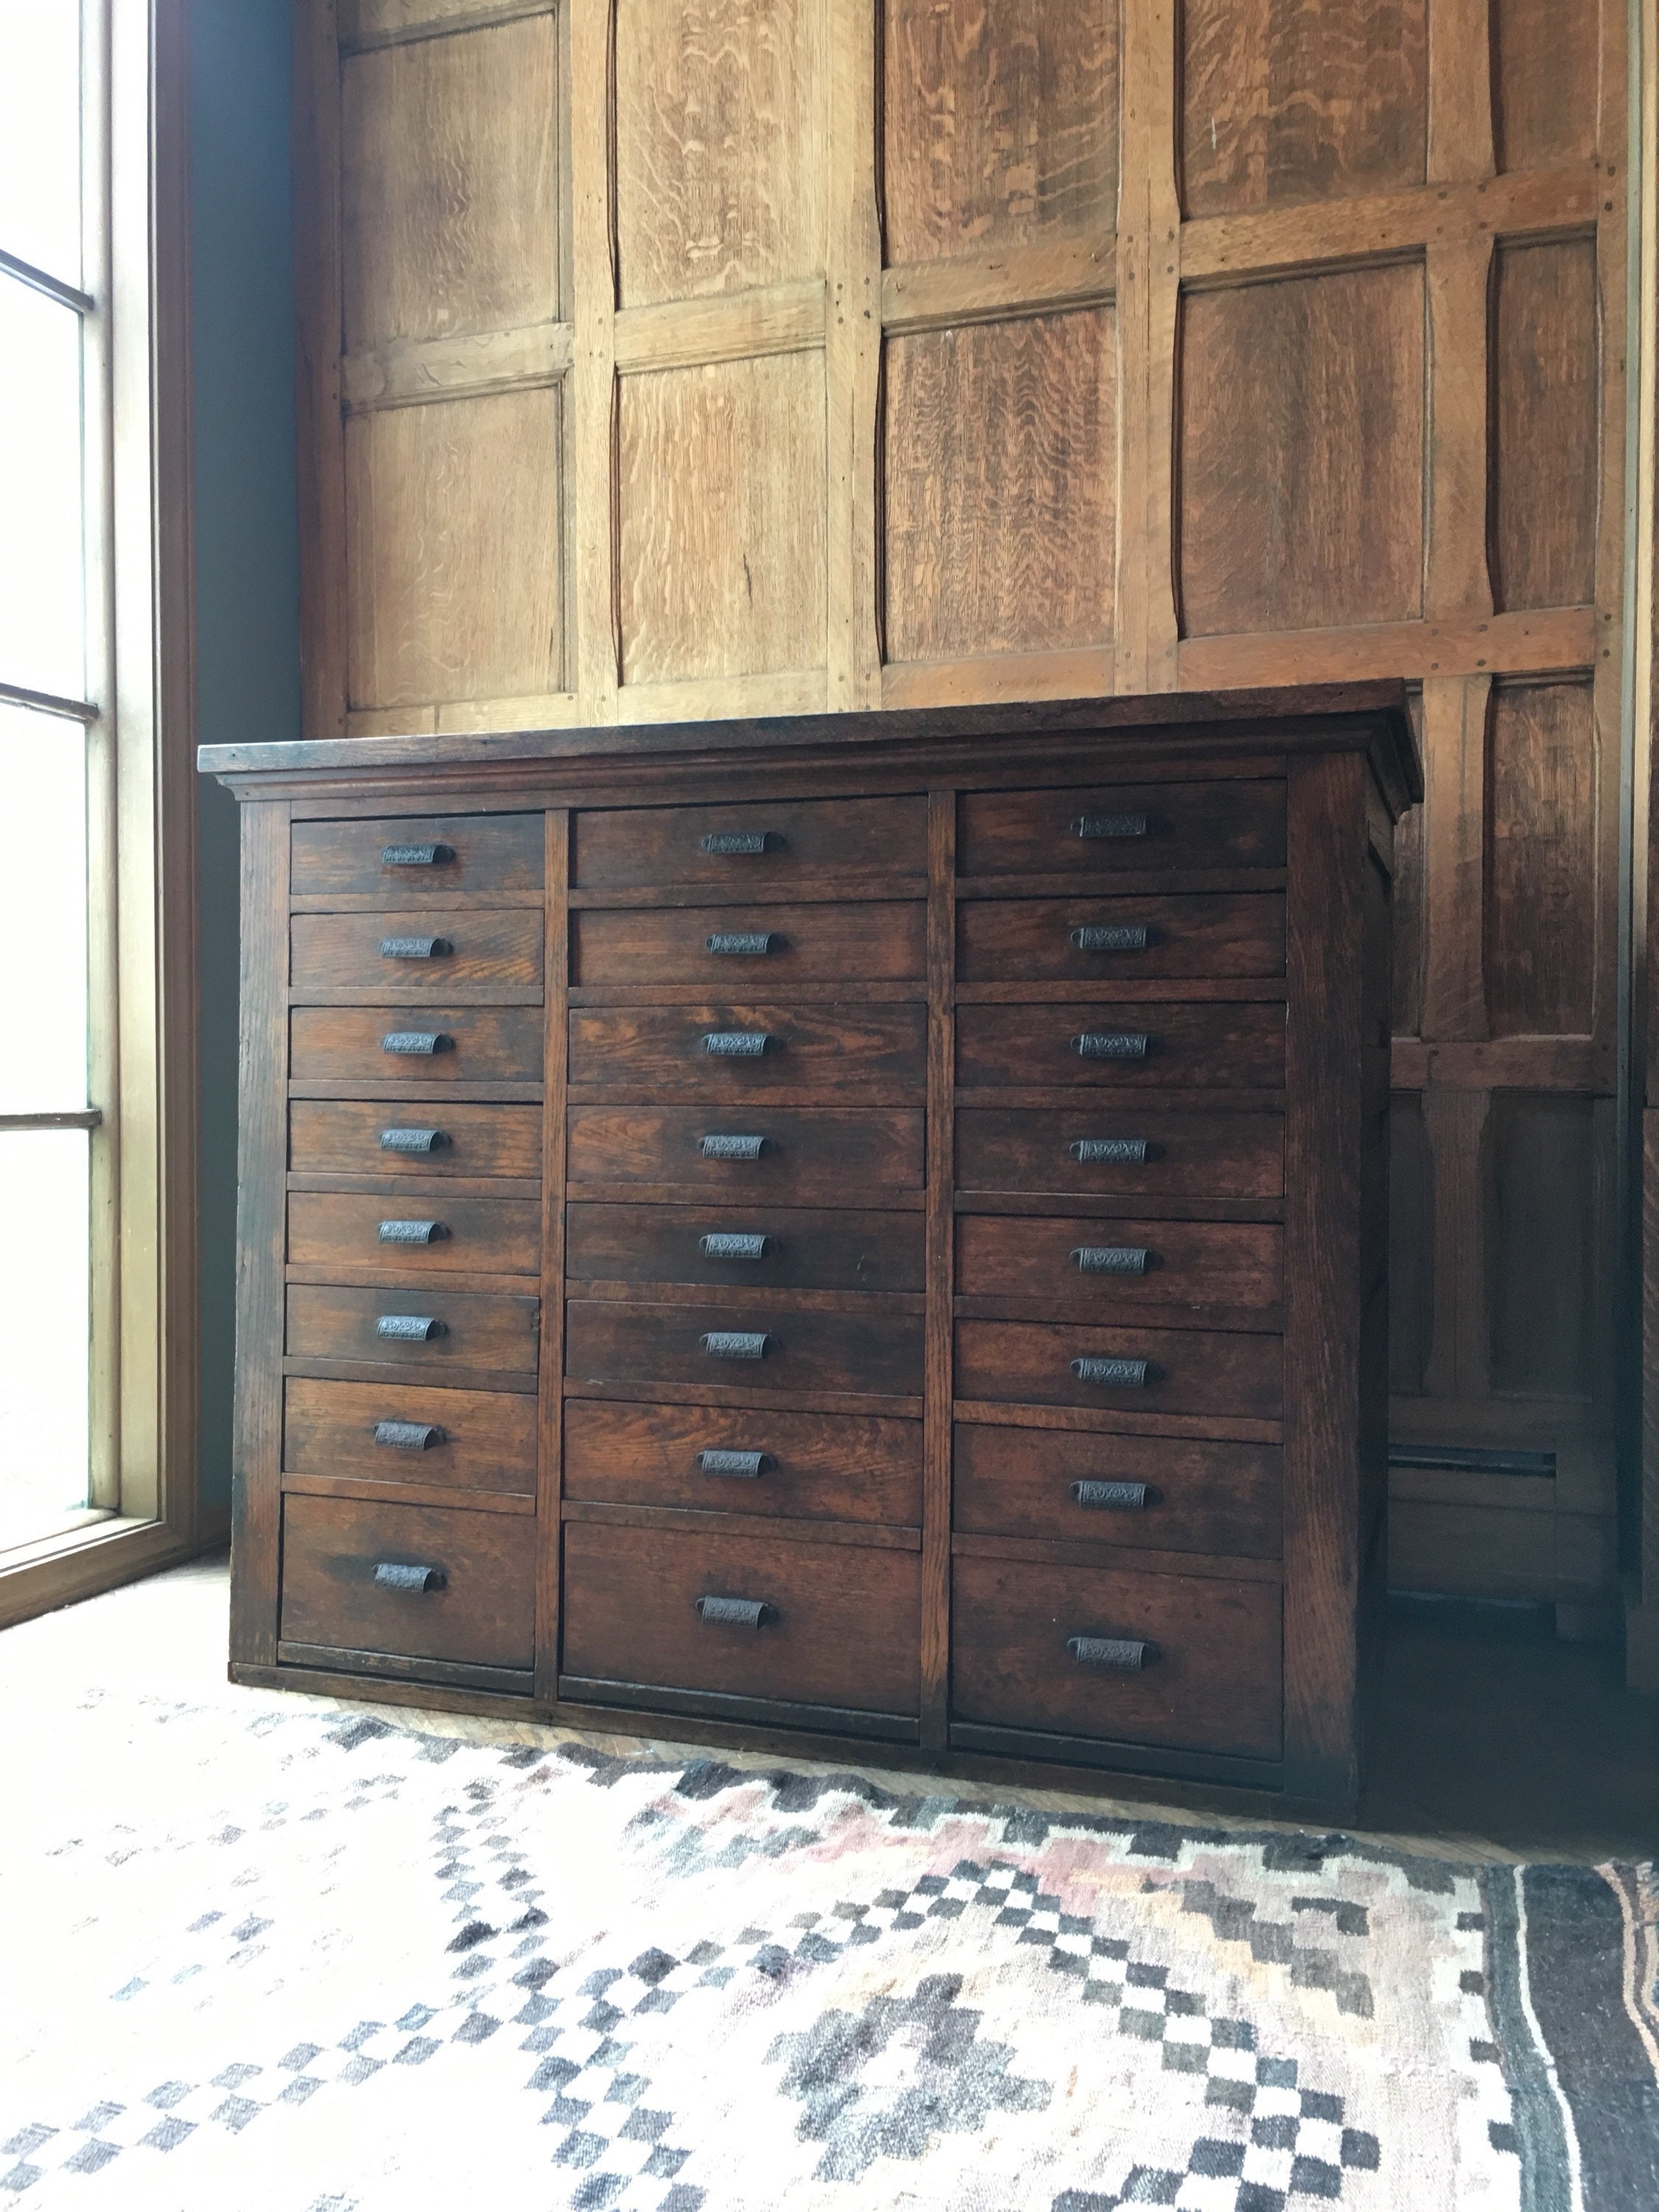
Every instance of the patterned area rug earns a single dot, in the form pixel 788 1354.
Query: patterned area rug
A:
pixel 269 1956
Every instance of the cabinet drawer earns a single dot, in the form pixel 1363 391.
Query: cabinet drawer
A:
pixel 467 1328
pixel 1122 1046
pixel 1146 1370
pixel 1131 828
pixel 608 1340
pixel 462 953
pixel 411 857
pixel 1122 1265
pixel 879 1052
pixel 415 1044
pixel 1213 1680
pixel 351 1581
pixel 774 1152
pixel 1122 1152
pixel 767 946
pixel 767 848
pixel 838 1250
pixel 1081 939
pixel 840 1626
pixel 406 1432
pixel 801 1466
pixel 1165 1493
pixel 415 1236
pixel 431 1138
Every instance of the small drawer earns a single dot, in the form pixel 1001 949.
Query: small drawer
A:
pixel 1143 1044
pixel 411 857
pixel 415 1044
pixel 1161 1493
pixel 776 1153
pixel 430 1138
pixel 489 956
pixel 1085 940
pixel 407 1433
pixel 756 1247
pixel 1128 1370
pixel 771 946
pixel 413 1238
pixel 734 1052
pixel 1055 1649
pixel 756 1617
pixel 422 1325
pixel 1124 1266
pixel 799 1467
pixel 765 849
pixel 1124 1152
pixel 415 1582
pixel 1121 830
pixel 742 1345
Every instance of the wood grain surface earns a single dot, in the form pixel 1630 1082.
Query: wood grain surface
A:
pixel 871 1349
pixel 1545 388
pixel 1214 935
pixel 487 854
pixel 327 1137
pixel 874 1053
pixel 1189 1155
pixel 1237 824
pixel 828 1156
pixel 1223 1044
pixel 865 941
pixel 483 1439
pixel 478 1045
pixel 814 844
pixel 1188 1370
pixel 836 1249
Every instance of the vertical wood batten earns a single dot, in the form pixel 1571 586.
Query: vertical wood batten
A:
pixel 319 321
pixel 549 1465
pixel 1455 713
pixel 1460 137
pixel 1459 1366
pixel 593 380
pixel 941 1270
pixel 853 357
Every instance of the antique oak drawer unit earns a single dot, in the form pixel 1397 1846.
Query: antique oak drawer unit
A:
pixel 858 1230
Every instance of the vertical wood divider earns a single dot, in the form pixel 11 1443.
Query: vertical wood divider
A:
pixel 1458 582
pixel 937 1389
pixel 550 1467
pixel 1159 522
pixel 318 335
pixel 853 357
pixel 1454 709
pixel 1460 92
pixel 592 381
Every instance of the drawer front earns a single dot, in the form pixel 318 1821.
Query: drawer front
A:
pixel 1186 1370
pixel 470 953
pixel 1121 1264
pixel 468 1328
pixel 419 857
pixel 765 849
pixel 1080 940
pixel 434 1138
pixel 608 1341
pixel 404 1432
pixel 479 1611
pixel 800 1467
pixel 1122 1152
pixel 773 1153
pixel 1122 1046
pixel 415 1236
pixel 1212 1680
pixel 755 1246
pixel 879 1052
pixel 1133 828
pixel 754 947
pixel 415 1044
pixel 1165 1493
pixel 841 1626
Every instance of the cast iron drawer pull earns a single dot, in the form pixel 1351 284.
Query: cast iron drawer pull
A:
pixel 731 1148
pixel 414 1328
pixel 725 1244
pixel 412 1232
pixel 1112 937
pixel 742 840
pixel 415 948
pixel 746 1464
pixel 1111 1044
pixel 1109 825
pixel 735 1343
pixel 735 1611
pixel 736 1044
pixel 1112 1374
pixel 1110 1496
pixel 1112 1151
pixel 1121 1654
pixel 415 1044
pixel 391 1576
pixel 409 1436
pixel 416 856
pixel 744 944
pixel 412 1140
pixel 1111 1259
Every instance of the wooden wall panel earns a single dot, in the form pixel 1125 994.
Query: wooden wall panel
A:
pixel 1542 1252
pixel 1542 892
pixel 1545 59
pixel 1546 400
pixel 1411 1235
pixel 1410 935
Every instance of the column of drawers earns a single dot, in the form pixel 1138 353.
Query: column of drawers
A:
pixel 744 1262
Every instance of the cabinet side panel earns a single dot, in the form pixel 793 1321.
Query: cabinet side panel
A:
pixel 550 1422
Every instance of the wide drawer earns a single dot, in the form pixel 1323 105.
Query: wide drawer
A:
pixel 764 947
pixel 431 1138
pixel 428 1236
pixel 1126 1369
pixel 407 1433
pixel 1120 828
pixel 769 848
pixel 775 1152
pixel 419 1582
pixel 1119 1047
pixel 1122 1152
pixel 424 1324
pixel 743 1344
pixel 1164 1494
pixel 477 953
pixel 1083 940
pixel 1027 1644
pixel 799 1467
pixel 409 857
pixel 734 1052
pixel 416 1044
pixel 1120 1264
pixel 836 1626
pixel 754 1246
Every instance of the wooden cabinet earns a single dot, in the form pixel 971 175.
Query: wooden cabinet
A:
pixel 802 1241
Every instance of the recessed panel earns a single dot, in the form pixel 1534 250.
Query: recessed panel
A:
pixel 1545 63
pixel 1549 1162
pixel 1546 374
pixel 1543 894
